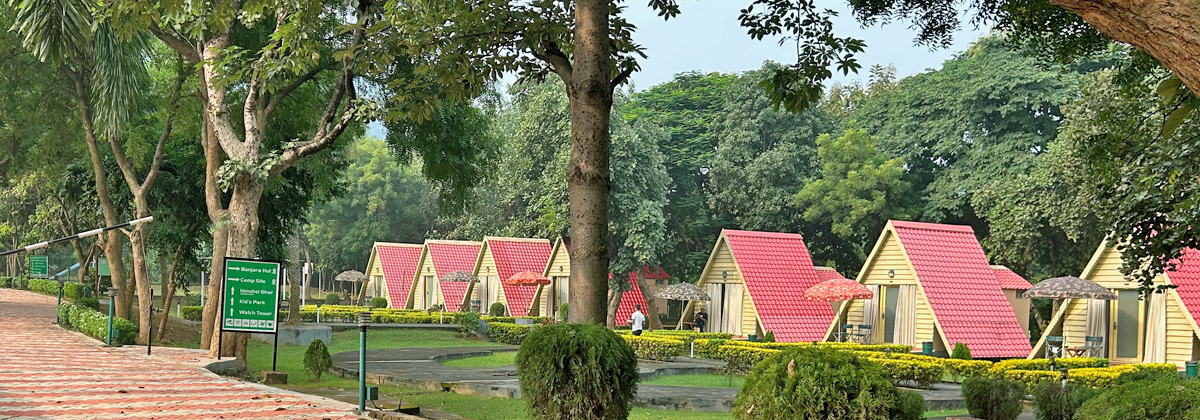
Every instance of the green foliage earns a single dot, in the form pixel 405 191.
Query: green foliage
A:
pixel 911 406
pixel 333 299
pixel 378 302
pixel 562 311
pixel 192 313
pixel 1052 402
pixel 993 399
pixel 769 337
pixel 1162 398
pixel 94 324
pixel 503 332
pixel 961 352
pixel 921 373
pixel 468 322
pixel 817 383
pixel 497 309
pixel 577 371
pixel 317 359
pixel 1146 374
pixel 89 302
pixel 1044 364
pixel 656 348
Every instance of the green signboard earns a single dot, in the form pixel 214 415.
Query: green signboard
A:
pixel 103 270
pixel 39 267
pixel 251 302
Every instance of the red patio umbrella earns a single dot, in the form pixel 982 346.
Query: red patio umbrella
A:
pixel 837 290
pixel 527 278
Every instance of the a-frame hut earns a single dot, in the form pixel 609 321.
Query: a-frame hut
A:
pixel 558 269
pixel 391 270
pixel 441 257
pixel 501 258
pixel 1133 329
pixel 757 281
pixel 933 283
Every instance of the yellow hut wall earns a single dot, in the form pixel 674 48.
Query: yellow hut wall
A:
pixel 1020 308
pixel 891 256
pixel 486 272
pixel 425 275
pixel 560 270
pixel 375 273
pixel 1179 332
pixel 722 261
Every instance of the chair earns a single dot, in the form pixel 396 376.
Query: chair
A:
pixel 1094 346
pixel 864 334
pixel 1054 346
pixel 844 334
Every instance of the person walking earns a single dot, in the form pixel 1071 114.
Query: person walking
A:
pixel 636 320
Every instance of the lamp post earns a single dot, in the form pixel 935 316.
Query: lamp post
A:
pixel 364 320
pixel 112 303
pixel 60 293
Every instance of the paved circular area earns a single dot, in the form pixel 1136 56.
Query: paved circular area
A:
pixel 50 373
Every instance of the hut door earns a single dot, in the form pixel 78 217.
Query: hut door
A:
pixel 716 306
pixel 734 299
pixel 891 296
pixel 561 287
pixel 1127 325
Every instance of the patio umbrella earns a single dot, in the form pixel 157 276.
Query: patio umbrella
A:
pixel 682 291
pixel 527 278
pixel 460 276
pixel 837 290
pixel 351 276
pixel 1069 287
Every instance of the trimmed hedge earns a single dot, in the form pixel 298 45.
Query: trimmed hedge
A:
pixel 891 348
pixel 957 367
pixel 503 332
pixel 95 324
pixel 349 313
pixel 685 335
pixel 1098 378
pixel 708 348
pixel 922 373
pixel 656 348
pixel 1000 367
pixel 742 356
pixel 192 313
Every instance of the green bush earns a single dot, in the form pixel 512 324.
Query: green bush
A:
pixel 333 299
pixel 769 337
pixel 192 313
pixel 94 324
pixel 468 322
pixel 74 291
pixel 961 352
pixel 577 371
pixel 993 398
pixel 817 384
pixel 656 348
pixel 316 359
pixel 503 332
pixel 1044 364
pixel 1145 374
pixel 1052 402
pixel 562 312
pixel 708 348
pixel 378 303
pixel 89 302
pixel 911 406
pixel 922 373
pixel 1151 399
pixel 45 287
pixel 6 282
pixel 497 309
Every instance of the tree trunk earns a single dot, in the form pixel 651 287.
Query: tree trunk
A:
pixel 295 276
pixel 243 235
pixel 1165 29
pixel 614 303
pixel 163 276
pixel 651 304
pixel 589 88
pixel 141 278
pixel 217 215
pixel 169 294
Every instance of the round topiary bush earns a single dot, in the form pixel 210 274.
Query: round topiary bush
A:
pixel 333 299
pixel 816 384
pixel 993 398
pixel 497 309
pixel 576 371
pixel 911 406
pixel 961 352
pixel 1166 397
pixel 378 303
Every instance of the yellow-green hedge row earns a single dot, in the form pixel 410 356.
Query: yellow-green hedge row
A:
pixel 1002 366
pixel 957 367
pixel 895 348
pixel 1091 377
pixel 923 373
pixel 708 348
pixel 655 348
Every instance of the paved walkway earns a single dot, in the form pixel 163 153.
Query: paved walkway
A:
pixel 50 373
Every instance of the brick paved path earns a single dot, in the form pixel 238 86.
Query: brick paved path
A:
pixel 49 373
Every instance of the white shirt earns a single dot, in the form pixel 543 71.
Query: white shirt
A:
pixel 636 321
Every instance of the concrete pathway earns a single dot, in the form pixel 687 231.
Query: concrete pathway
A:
pixel 50 373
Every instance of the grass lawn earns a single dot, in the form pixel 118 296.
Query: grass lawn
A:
pixel 945 413
pixel 495 360
pixel 706 381
pixel 291 358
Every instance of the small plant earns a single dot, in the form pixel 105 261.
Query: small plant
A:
pixel 333 299
pixel 497 309
pixel 816 384
pixel 961 352
pixel 769 337
pixel 316 359
pixel 910 406
pixel 562 312
pixel 577 371
pixel 89 302
pixel 1052 402
pixel 378 303
pixel 468 322
pixel 993 398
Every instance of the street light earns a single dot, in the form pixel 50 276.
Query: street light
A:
pixel 60 293
pixel 112 303
pixel 364 320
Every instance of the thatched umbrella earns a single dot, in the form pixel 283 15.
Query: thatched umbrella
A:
pixel 837 290
pixel 682 291
pixel 527 278
pixel 460 276
pixel 353 276
pixel 1069 287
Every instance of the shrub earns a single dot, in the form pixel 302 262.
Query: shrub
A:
pixel 708 348
pixel 817 384
pixel 740 357
pixel 956 367
pixel 94 324
pixel 1151 399
pixel 1145 374
pixel 1044 364
pixel 1052 402
pixel 5 282
pixel 89 302
pixel 961 352
pixel 316 359
pixel 378 302
pixel 497 309
pixel 468 322
pixel 45 287
pixel 993 398
pixel 655 348
pixel 503 332
pixel 333 299
pixel 687 335
pixel 73 291
pixel 922 373
pixel 192 313
pixel 577 371
pixel 911 406
pixel 769 337
pixel 562 312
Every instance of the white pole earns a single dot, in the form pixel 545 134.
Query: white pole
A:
pixel 202 288
pixel 177 314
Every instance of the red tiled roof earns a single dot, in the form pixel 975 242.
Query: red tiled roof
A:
pixel 629 299
pixel 827 273
pixel 399 262
pixel 777 269
pixel 447 257
pixel 515 256
pixel 1010 280
pixel 1186 278
pixel 962 289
